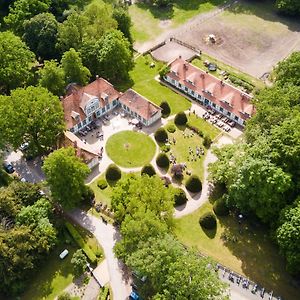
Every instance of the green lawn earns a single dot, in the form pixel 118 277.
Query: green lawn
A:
pixel 130 149
pixel 143 77
pixel 204 126
pixel 53 277
pixel 147 18
pixel 199 62
pixel 104 196
pixel 252 254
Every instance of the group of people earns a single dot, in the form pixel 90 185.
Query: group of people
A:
pixel 194 155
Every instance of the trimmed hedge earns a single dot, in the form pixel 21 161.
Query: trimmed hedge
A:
pixel 180 118
pixel 193 184
pixel 171 128
pixel 148 170
pixel 161 135
pixel 166 110
pixel 162 161
pixel 220 207
pixel 207 141
pixel 113 173
pixel 179 197
pixel 81 243
pixel 208 221
pixel 104 293
pixel 102 184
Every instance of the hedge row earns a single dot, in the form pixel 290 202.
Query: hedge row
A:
pixel 81 243
pixel 104 294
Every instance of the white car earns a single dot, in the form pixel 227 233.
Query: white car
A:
pixel 24 146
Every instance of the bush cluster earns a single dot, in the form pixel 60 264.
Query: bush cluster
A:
pixel 148 170
pixel 113 173
pixel 180 118
pixel 237 81
pixel 161 135
pixel 220 207
pixel 195 129
pixel 166 110
pixel 179 197
pixel 162 161
pixel 207 141
pixel 193 184
pixel 171 128
pixel 208 221
pixel 102 184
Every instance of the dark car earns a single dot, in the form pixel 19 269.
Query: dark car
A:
pixel 8 167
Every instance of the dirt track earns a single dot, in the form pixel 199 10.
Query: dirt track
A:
pixel 247 41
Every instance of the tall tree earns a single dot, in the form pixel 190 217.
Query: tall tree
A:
pixel 15 62
pixel 288 70
pixel 115 56
pixel 22 10
pixel 74 70
pixel 175 273
pixel 32 115
pixel 122 16
pixel 40 34
pixel 288 237
pixel 64 169
pixel 290 7
pixel 52 77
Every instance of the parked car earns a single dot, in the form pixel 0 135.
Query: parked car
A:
pixel 8 167
pixel 134 296
pixel 24 146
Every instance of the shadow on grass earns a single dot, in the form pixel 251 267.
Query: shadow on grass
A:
pixel 210 233
pixel 161 13
pixel 265 10
pixel 260 258
pixel 216 191
pixel 194 4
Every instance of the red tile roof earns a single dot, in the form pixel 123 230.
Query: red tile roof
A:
pixel 212 88
pixel 139 104
pixel 74 103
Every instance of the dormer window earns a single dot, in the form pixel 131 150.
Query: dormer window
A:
pixel 75 115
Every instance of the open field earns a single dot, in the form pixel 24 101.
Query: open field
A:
pixel 54 276
pixel 150 21
pixel 252 254
pixel 130 149
pixel 249 36
pixel 144 82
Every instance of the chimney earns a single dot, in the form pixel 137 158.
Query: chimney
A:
pixel 61 98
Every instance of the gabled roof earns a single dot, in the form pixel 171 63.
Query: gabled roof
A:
pixel 75 102
pixel 139 104
pixel 212 88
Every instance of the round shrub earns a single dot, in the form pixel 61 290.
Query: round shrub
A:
pixel 64 296
pixel 113 173
pixel 165 148
pixel 161 135
pixel 207 141
pixel 180 118
pixel 193 184
pixel 208 221
pixel 148 170
pixel 162 161
pixel 102 184
pixel 220 207
pixel 171 128
pixel 166 110
pixel 179 197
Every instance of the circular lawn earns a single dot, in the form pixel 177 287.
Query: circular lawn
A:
pixel 130 149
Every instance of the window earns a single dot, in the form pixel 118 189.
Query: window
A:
pixel 173 81
pixel 214 104
pixel 179 84
pixel 144 121
pixel 221 109
pixel 90 119
pixel 114 102
pixel 103 109
pixel 79 125
pixel 84 122
pixel 72 129
pixel 98 113
pixel 228 113
pixel 186 89
pixel 236 118
pixel 192 92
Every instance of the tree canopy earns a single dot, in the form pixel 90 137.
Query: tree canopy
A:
pixel 290 7
pixel 40 34
pixel 64 169
pixel 32 115
pixel 15 62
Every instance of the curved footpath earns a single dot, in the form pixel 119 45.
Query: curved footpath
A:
pixel 107 236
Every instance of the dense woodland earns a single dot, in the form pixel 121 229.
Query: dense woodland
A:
pixel 47 44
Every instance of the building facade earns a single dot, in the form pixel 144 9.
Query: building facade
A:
pixel 210 91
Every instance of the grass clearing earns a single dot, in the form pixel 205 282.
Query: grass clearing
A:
pixel 253 254
pixel 53 276
pixel 130 149
pixel 199 62
pixel 148 20
pixel 143 77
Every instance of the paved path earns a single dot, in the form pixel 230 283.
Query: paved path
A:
pixel 107 237
pixel 183 29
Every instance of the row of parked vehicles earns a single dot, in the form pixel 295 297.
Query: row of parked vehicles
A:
pixel 219 120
